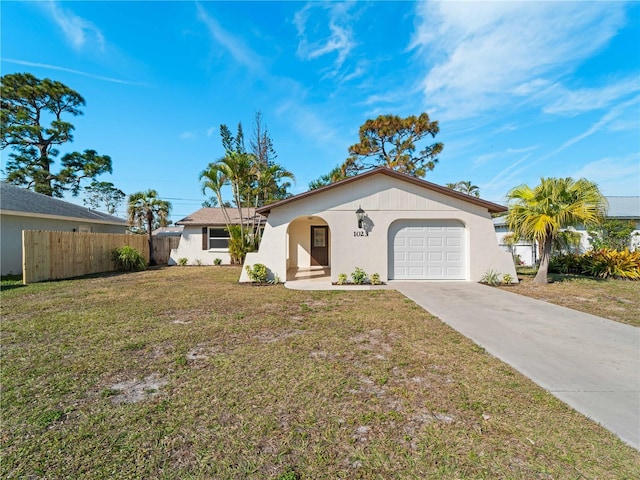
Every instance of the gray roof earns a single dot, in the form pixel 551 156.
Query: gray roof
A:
pixel 172 231
pixel 26 202
pixel 624 207
pixel 215 216
pixel 618 207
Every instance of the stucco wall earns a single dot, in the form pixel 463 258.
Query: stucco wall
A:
pixel 385 200
pixel 11 227
pixel 190 247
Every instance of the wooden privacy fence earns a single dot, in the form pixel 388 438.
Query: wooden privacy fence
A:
pixel 57 255
pixel 162 248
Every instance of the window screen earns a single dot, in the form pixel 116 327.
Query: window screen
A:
pixel 218 238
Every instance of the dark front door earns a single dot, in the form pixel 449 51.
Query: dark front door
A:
pixel 320 246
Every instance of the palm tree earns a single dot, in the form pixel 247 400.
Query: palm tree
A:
pixel 145 210
pixel 269 188
pixel 465 187
pixel 213 178
pixel 540 213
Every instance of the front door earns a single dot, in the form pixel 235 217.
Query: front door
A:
pixel 320 246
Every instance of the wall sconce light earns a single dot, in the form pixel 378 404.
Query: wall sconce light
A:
pixel 360 215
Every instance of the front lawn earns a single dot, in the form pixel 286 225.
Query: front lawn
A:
pixel 183 373
pixel 614 299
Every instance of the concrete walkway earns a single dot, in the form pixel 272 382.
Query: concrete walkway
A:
pixel 588 362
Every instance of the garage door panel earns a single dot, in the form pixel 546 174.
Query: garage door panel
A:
pixel 416 242
pixel 416 257
pixel 427 249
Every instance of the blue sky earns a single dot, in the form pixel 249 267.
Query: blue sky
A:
pixel 520 90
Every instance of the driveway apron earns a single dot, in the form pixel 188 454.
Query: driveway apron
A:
pixel 588 362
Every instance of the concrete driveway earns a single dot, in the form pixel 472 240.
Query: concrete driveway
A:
pixel 588 362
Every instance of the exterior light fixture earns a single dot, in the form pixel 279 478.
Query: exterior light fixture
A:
pixel 360 216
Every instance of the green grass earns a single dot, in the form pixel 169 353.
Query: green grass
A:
pixel 238 382
pixel 615 299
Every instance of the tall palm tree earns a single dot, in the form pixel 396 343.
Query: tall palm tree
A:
pixel 213 178
pixel 269 188
pixel 145 210
pixel 540 213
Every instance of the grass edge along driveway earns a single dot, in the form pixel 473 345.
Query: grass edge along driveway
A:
pixel 183 373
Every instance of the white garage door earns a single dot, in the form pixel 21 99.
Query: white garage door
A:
pixel 427 250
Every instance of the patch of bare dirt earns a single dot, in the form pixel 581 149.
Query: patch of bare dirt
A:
pixel 134 391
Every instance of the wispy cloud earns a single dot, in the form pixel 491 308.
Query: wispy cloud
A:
pixel 481 56
pixel 500 156
pixel 337 40
pixel 70 70
pixel 587 99
pixel 613 175
pixel 601 124
pixel 77 30
pixel 240 52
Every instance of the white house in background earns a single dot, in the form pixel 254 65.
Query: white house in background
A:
pixel 22 209
pixel 205 237
pixel 619 208
pixel 410 229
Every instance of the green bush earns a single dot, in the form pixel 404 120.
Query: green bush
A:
pixel 491 277
pixel 375 279
pixel 566 263
pixel 258 273
pixel 127 259
pixel 507 279
pixel 183 261
pixel 342 279
pixel 217 261
pixel 359 276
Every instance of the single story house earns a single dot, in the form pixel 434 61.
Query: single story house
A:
pixel 22 209
pixel 205 238
pixel 384 222
pixel 618 208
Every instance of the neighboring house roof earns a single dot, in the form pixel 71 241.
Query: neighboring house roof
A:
pixel 174 231
pixel 215 216
pixel 624 207
pixel 21 201
pixel 492 207
pixel 618 207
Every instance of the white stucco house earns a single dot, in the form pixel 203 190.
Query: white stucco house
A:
pixel 22 209
pixel 625 208
pixel 204 236
pixel 411 229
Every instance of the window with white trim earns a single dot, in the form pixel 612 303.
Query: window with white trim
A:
pixel 218 237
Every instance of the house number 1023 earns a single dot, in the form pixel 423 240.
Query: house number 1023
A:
pixel 360 233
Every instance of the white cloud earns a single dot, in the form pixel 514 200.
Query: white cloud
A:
pixel 587 99
pixel 187 136
pixel 614 176
pixel 339 38
pixel 483 55
pixel 234 45
pixel 78 31
pixel 69 70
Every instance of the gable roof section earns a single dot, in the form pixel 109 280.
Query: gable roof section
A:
pixel 21 201
pixel 492 207
pixel 215 216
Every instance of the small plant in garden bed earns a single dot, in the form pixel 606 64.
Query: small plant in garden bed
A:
pixel 183 261
pixel 491 277
pixel 217 261
pixel 258 273
pixel 359 276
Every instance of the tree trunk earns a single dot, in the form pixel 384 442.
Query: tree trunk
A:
pixel 543 269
